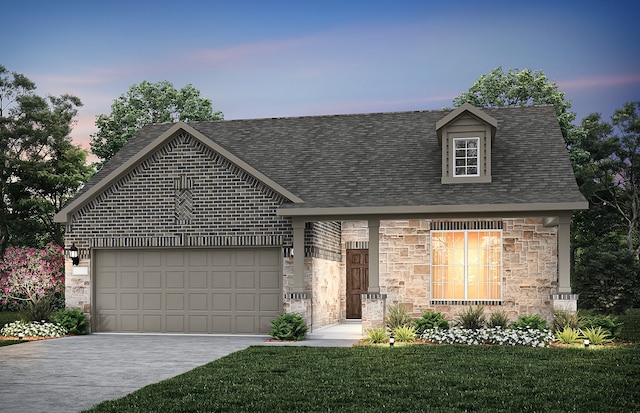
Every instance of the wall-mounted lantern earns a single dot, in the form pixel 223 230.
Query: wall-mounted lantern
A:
pixel 73 254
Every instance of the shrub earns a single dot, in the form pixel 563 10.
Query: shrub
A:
pixel 72 319
pixel 30 278
pixel 607 278
pixel 430 319
pixel 32 329
pixel 606 322
pixel 596 336
pixel 494 336
pixel 498 319
pixel 397 316
pixel 288 326
pixel 630 329
pixel 564 318
pixel 530 321
pixel 568 335
pixel 405 334
pixel 472 319
pixel 377 335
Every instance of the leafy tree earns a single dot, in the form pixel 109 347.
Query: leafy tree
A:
pixel 29 278
pixel 610 176
pixel 39 166
pixel 519 88
pixel 607 278
pixel 146 103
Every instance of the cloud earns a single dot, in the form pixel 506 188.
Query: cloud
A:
pixel 600 81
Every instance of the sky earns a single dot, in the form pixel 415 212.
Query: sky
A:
pixel 257 59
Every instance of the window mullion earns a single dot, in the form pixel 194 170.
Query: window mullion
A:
pixel 466 265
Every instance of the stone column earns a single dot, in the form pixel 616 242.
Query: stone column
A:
pixel 374 307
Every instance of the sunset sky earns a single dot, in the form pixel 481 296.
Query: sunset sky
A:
pixel 290 58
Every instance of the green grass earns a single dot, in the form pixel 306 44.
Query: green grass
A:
pixel 10 342
pixel 410 378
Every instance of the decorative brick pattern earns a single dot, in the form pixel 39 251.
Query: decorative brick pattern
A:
pixel 228 206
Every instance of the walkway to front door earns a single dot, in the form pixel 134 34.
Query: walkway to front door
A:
pixel 357 281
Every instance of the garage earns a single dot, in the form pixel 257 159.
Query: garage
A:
pixel 183 290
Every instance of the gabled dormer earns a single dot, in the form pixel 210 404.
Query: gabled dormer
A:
pixel 466 136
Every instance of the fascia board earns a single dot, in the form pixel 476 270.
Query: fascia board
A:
pixel 64 214
pixel 440 210
pixel 467 107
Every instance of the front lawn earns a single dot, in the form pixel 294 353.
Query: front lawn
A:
pixel 411 378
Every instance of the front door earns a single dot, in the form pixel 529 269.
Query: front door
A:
pixel 357 281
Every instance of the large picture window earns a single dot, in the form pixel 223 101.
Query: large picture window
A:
pixel 466 265
pixel 466 157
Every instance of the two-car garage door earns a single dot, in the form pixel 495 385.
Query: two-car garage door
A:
pixel 187 290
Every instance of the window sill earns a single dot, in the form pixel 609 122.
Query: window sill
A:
pixel 466 302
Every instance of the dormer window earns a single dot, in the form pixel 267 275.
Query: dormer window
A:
pixel 466 136
pixel 465 156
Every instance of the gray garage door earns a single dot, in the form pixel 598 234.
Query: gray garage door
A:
pixel 187 290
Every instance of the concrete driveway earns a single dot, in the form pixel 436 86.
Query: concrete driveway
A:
pixel 74 373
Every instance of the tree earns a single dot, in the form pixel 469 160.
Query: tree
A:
pixel 610 176
pixel 29 278
pixel 39 166
pixel 146 103
pixel 519 88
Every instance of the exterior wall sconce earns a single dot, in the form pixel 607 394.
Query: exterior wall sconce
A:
pixel 73 254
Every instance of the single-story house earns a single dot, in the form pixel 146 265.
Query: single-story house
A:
pixel 219 227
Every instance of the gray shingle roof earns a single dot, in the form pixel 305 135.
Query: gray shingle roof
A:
pixel 388 159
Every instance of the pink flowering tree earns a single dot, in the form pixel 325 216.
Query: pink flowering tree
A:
pixel 30 277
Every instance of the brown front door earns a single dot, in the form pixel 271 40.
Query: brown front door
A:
pixel 357 280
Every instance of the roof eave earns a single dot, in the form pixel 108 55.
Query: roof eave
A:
pixel 535 209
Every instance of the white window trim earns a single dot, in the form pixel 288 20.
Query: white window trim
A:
pixel 455 158
pixel 466 299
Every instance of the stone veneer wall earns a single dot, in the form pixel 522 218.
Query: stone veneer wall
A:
pixel 324 285
pixel 529 275
pixel 162 203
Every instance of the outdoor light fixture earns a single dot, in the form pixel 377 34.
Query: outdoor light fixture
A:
pixel 73 254
pixel 20 336
pixel 391 340
pixel 586 342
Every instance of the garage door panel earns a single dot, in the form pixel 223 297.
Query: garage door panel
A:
pixel 245 324
pixel 107 302
pixel 198 324
pixel 175 279
pixel 152 259
pixel 152 323
pixel 198 301
pixel 129 323
pixel 107 279
pixel 269 280
pixel 269 302
pixel 221 302
pixel 221 279
pixel 129 259
pixel 152 301
pixel 245 302
pixel 129 279
pixel 198 279
pixel 175 301
pixel 152 279
pixel 129 301
pixel 245 279
pixel 175 323
pixel 188 290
